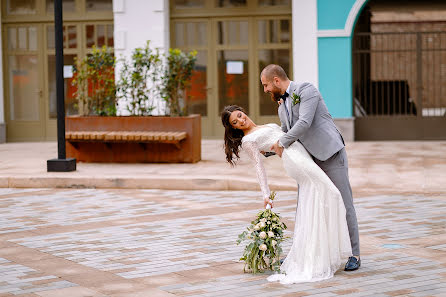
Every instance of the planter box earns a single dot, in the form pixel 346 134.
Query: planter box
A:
pixel 188 151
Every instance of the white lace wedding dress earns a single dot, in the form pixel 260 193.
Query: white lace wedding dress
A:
pixel 321 241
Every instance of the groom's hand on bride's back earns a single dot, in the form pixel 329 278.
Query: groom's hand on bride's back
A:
pixel 277 149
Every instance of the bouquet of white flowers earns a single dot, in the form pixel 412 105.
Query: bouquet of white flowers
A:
pixel 264 237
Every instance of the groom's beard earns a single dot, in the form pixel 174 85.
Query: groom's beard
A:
pixel 275 94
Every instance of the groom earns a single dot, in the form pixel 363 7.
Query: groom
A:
pixel 305 118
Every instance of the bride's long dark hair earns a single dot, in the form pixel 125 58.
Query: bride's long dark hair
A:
pixel 233 137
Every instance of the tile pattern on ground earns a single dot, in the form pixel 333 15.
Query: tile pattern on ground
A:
pixel 404 235
pixel 146 249
pixel 422 277
pixel 29 212
pixel 401 217
pixel 18 279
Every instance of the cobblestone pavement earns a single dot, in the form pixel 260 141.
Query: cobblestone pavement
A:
pixel 87 242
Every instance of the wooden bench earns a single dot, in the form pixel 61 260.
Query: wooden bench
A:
pixel 127 136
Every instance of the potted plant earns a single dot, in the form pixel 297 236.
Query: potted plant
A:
pixel 176 79
pixel 147 79
pixel 94 80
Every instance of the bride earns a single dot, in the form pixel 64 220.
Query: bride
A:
pixel 321 240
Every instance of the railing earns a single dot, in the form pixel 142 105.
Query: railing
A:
pixel 399 74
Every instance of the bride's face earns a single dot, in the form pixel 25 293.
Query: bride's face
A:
pixel 239 120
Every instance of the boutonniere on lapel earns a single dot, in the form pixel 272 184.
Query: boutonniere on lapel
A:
pixel 296 98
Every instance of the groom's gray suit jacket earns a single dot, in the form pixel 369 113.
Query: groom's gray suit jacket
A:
pixel 309 122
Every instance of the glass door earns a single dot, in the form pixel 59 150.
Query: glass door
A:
pixel 233 64
pixel 94 34
pixel 273 46
pixel 237 39
pixel 24 90
pixel 190 35
pixel 71 51
pixel 244 47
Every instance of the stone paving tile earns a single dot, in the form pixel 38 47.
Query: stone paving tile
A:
pixel 401 217
pixel 29 212
pixel 18 279
pixel 77 207
pixel 371 281
pixel 146 249
pixel 403 242
pixel 440 247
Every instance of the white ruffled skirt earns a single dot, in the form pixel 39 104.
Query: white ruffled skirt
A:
pixel 321 242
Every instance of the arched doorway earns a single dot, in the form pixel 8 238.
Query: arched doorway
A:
pixel 399 77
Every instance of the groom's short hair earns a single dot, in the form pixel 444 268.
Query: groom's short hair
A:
pixel 273 70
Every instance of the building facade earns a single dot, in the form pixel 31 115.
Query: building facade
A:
pixel 314 41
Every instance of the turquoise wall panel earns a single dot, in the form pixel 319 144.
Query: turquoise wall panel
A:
pixel 335 74
pixel 332 14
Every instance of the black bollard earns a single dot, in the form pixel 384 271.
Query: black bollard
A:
pixel 61 164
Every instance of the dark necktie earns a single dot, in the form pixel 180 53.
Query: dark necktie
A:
pixel 284 96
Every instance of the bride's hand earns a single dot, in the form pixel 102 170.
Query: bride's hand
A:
pixel 266 202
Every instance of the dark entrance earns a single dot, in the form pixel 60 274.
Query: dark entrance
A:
pixel 399 75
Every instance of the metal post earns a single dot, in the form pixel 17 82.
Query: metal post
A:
pixel 61 164
pixel 419 77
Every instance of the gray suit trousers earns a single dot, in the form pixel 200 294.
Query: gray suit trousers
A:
pixel 336 167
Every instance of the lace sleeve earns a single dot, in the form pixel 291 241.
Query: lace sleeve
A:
pixel 253 152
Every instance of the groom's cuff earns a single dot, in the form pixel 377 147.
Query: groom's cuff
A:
pixel 280 144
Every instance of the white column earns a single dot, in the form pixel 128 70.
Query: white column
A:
pixel 305 54
pixel 2 101
pixel 135 22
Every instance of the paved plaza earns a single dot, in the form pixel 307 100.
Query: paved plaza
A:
pixel 147 230
pixel 148 242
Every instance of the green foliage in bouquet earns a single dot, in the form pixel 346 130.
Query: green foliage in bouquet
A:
pixel 264 236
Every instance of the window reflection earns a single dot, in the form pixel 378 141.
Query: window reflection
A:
pixel 67 6
pixel 232 32
pixel 197 94
pixel 22 38
pixel 110 40
pixel 274 31
pixel 72 36
pixel 266 57
pixel 190 34
pixel 233 83
pixel 184 4
pixel 70 98
pixel 32 38
pixel 275 3
pixel 23 86
pixel 90 35
pixel 100 35
pixel 12 38
pixel 230 3
pixel 20 7
pixel 98 5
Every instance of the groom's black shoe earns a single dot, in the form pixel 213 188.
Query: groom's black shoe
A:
pixel 281 261
pixel 352 264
